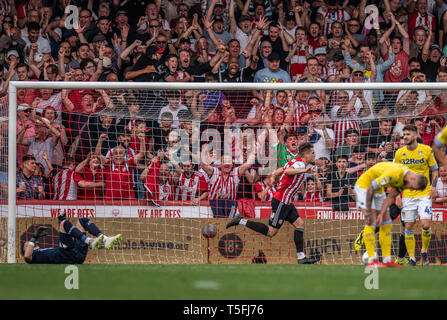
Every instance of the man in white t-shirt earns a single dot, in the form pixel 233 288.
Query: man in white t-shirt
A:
pixel 34 36
pixel 173 107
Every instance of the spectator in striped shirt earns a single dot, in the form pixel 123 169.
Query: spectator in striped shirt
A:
pixel 223 183
pixel 64 182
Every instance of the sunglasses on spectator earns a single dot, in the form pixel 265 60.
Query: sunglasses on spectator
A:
pixel 161 42
pixel 151 26
pixel 8 21
pixel 358 74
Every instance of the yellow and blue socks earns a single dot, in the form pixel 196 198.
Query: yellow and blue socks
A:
pixel 369 238
pixel 426 237
pixel 385 240
pixel 410 243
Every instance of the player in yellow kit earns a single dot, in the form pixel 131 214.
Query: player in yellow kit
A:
pixel 372 199
pixel 420 159
pixel 438 147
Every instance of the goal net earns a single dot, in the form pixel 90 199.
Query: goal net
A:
pixel 167 165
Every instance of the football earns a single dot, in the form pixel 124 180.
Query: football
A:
pixel 209 231
pixel 365 257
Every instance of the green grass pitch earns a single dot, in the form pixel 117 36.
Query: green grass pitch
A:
pixel 229 282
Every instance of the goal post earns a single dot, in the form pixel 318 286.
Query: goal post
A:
pixel 327 229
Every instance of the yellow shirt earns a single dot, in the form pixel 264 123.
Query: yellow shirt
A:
pixel 441 138
pixel 420 160
pixel 383 174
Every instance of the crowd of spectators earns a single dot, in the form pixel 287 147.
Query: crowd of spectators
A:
pixel 120 144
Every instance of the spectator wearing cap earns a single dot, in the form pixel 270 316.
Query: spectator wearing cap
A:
pixel 34 37
pixel 420 17
pixel 273 73
pixel 430 61
pixel 11 40
pixel 243 29
pixel 214 31
pixel 42 144
pixel 320 55
pixel 29 186
pixel 145 68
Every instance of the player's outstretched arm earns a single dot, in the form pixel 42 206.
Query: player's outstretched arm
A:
pixel 439 153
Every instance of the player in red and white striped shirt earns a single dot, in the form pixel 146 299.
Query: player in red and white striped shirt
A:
pixel 292 176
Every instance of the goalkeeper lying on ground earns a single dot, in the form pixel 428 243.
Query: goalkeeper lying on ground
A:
pixel 73 243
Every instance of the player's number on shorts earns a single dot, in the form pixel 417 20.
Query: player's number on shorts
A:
pixel 428 210
pixel 272 215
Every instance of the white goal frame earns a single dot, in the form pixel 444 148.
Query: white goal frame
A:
pixel 12 113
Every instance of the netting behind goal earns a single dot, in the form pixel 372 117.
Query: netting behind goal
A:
pixel 159 165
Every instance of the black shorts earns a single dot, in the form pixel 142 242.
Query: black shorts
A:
pixel 282 212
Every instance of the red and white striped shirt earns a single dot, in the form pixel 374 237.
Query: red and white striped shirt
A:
pixel 329 17
pixel 298 62
pixel 129 154
pixel 261 186
pixel 300 109
pixel 340 127
pixel 189 188
pixel 313 196
pixel 159 191
pixel 289 185
pixel 220 187
pixel 64 185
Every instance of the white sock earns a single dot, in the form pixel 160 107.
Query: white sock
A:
pixel 243 222
pixel 88 240
pixel 301 255
pixel 386 259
